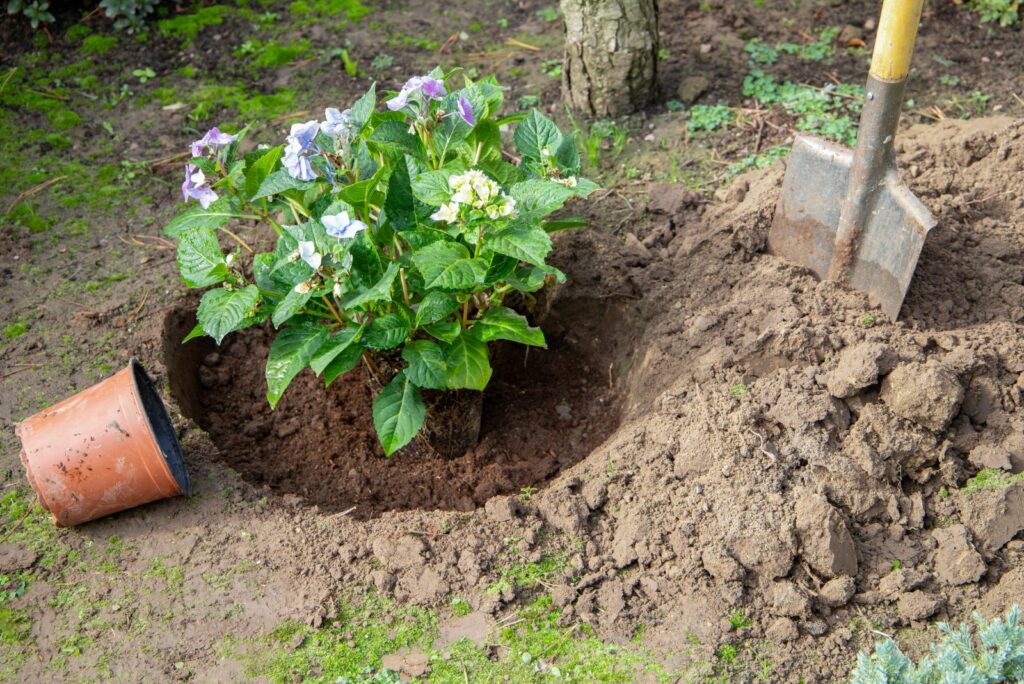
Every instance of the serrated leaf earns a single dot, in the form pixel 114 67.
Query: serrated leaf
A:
pixel 499 267
pixel 291 351
pixel 568 156
pixel 333 346
pixel 535 133
pixel 278 182
pixel 533 278
pixel 378 292
pixel 500 170
pixel 394 137
pixel 432 187
pixel 434 307
pixel 200 260
pixel 537 197
pixel 289 306
pixel 502 323
pixel 363 107
pixel 531 245
pixel 467 362
pixel 260 169
pixel 445 331
pixel 398 413
pixel 403 210
pixel 214 216
pixel 386 332
pixel 448 266
pixel 222 311
pixel 427 365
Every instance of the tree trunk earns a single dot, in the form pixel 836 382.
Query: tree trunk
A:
pixel 611 55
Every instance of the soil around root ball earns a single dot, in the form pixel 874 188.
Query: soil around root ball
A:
pixel 543 411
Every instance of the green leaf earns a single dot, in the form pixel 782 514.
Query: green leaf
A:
pixel 585 186
pixel 260 169
pixel 500 170
pixel 379 292
pixel 531 245
pixel 537 197
pixel 363 107
pixel 502 323
pixel 335 345
pixel 394 137
pixel 534 134
pixel 448 266
pixel 386 332
pixel 427 365
pixel 568 155
pixel 278 182
pixel 567 223
pixel 200 260
pixel 452 131
pixel 499 267
pixel 398 413
pixel 342 363
pixel 222 311
pixel 367 263
pixel 434 307
pixel 403 210
pixel 533 278
pixel 468 366
pixel 197 331
pixel 446 331
pixel 292 350
pixel 432 187
pixel 289 306
pixel 214 216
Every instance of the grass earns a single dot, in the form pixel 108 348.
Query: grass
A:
pixel 991 478
pixel 527 575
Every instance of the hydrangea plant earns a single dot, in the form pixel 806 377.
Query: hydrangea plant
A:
pixel 402 238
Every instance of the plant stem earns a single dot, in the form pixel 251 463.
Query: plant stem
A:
pixel 405 289
pixel 334 312
pixel 237 239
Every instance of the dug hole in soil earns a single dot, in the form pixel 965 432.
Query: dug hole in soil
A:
pixel 719 431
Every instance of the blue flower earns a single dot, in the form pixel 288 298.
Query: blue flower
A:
pixel 342 226
pixel 338 124
pixel 300 146
pixel 466 111
pixel 213 141
pixel 418 87
pixel 197 187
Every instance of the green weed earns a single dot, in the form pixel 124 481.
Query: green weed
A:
pixel 991 478
pixel 1002 12
pixel 710 117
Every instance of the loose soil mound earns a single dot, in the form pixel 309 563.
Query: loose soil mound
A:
pixel 783 451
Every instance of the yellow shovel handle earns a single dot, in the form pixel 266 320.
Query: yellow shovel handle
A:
pixel 894 44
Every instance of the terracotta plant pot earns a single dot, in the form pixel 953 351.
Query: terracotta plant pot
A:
pixel 106 449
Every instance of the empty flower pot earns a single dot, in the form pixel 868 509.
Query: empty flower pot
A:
pixel 106 449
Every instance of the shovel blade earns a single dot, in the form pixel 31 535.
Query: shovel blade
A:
pixel 807 217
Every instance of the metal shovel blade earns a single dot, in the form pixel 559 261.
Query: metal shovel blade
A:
pixel 807 218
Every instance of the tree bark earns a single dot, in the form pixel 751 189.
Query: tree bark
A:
pixel 611 55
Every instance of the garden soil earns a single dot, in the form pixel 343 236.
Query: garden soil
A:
pixel 711 430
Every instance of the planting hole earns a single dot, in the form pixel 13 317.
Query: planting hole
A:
pixel 543 411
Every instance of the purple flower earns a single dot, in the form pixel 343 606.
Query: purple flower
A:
pixel 300 145
pixel 197 187
pixel 214 141
pixel 338 124
pixel 342 226
pixel 417 86
pixel 466 111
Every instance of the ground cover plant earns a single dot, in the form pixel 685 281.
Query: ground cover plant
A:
pixel 402 237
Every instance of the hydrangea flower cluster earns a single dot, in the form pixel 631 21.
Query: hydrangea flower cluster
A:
pixel 474 190
pixel 402 240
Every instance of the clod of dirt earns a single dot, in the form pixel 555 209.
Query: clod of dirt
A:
pixel 790 600
pixel 902 580
pixel 14 557
pixel 995 515
pixel 825 540
pixel 927 393
pixel 782 630
pixel 837 591
pixel 990 456
pixel 956 560
pixel 918 605
pixel 858 367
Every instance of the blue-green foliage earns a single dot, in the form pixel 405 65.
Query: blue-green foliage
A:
pixel 128 14
pixel 36 11
pixel 996 656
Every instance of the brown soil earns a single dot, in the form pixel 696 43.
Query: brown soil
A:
pixel 543 411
